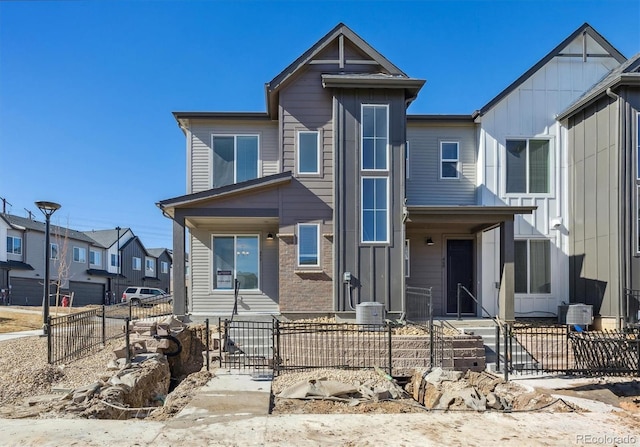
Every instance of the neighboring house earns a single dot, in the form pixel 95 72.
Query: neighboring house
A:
pixel 162 260
pixel 604 185
pixel 335 196
pixel 70 256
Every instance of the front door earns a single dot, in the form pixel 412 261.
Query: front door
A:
pixel 460 270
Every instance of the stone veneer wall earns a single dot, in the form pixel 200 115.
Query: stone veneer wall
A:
pixel 305 289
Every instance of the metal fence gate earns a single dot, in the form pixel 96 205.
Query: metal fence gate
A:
pixel 246 344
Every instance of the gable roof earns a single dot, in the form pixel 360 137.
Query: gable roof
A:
pixel 23 223
pixel 133 240
pixel 627 73
pixel 106 238
pixel 340 31
pixel 157 252
pixel 586 29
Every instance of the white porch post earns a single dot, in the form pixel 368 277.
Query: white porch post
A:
pixel 507 277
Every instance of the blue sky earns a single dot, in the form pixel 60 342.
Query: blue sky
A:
pixel 87 88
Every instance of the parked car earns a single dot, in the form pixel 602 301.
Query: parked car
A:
pixel 145 295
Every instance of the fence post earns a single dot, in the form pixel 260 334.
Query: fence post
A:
pixel 276 345
pixel 498 348
pixel 220 341
pixel 129 310
pixel 638 357
pixel 390 353
pixel 104 324
pixel 458 300
pixel 49 341
pixel 208 336
pixel 126 331
pixel 507 354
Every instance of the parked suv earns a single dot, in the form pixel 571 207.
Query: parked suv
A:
pixel 145 295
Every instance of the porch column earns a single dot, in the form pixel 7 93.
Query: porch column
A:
pixel 179 286
pixel 507 277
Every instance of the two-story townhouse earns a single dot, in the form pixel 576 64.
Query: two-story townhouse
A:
pixel 113 240
pixel 523 161
pixel 304 205
pixel 11 255
pixel 604 195
pixel 70 258
pixel 161 275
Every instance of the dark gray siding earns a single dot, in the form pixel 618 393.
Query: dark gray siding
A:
pixel 594 211
pixel 131 277
pixel 424 185
pixel 631 143
pixel 376 268
pixel 164 278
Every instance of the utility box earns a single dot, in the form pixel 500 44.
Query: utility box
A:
pixel 370 313
pixel 580 314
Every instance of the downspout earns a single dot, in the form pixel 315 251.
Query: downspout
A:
pixel 622 215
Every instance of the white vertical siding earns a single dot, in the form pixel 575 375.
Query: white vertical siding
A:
pixel 530 111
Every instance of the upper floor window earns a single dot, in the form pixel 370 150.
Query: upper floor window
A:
pixel 14 245
pixel 528 166
pixel 149 264
pixel 236 257
pixel 115 261
pixel 375 137
pixel 164 267
pixel 532 266
pixel 308 152
pixel 95 257
pixel 309 245
pixel 53 253
pixel 375 209
pixel 79 254
pixel 449 159
pixel 235 159
pixel 136 263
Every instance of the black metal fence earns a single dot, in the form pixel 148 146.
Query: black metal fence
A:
pixel 554 348
pixel 246 344
pixel 78 334
pixel 632 307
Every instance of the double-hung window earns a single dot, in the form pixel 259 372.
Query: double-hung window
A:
pixel 115 260
pixel 308 245
pixel 164 267
pixel 528 168
pixel 79 255
pixel 236 257
pixel 136 263
pixel 374 173
pixel 235 159
pixel 149 265
pixel 14 245
pixel 308 152
pixel 532 266
pixel 449 153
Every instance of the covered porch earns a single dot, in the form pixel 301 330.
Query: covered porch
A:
pixel 443 248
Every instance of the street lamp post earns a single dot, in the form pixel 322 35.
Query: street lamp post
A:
pixel 118 265
pixel 47 208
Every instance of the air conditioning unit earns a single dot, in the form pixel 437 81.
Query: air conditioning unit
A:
pixel 580 314
pixel 370 313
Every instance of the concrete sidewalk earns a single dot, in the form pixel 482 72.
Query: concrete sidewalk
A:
pixel 12 335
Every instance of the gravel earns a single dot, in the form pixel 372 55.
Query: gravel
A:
pixel 24 371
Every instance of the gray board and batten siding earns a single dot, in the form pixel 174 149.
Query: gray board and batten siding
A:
pixel 374 266
pixel 424 185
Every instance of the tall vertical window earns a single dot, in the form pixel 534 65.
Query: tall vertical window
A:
pixel 136 263
pixel 95 257
pixel 115 261
pixel 308 152
pixel 149 265
pixel 79 255
pixel 532 266
pixel 236 257
pixel 309 245
pixel 407 259
pixel 164 267
pixel 375 209
pixel 14 245
pixel 375 137
pixel 449 159
pixel 53 251
pixel 528 166
pixel 235 159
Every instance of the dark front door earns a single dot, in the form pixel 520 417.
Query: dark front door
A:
pixel 460 270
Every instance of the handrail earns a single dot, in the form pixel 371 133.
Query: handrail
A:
pixel 236 288
pixel 495 318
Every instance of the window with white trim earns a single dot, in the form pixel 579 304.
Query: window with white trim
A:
pixel 449 153
pixel 532 266
pixel 95 257
pixel 79 255
pixel 235 159
pixel 528 166
pixel 407 259
pixel 149 265
pixel 164 267
pixel 14 245
pixel 136 263
pixel 375 209
pixel 375 137
pixel 53 251
pixel 115 261
pixel 236 257
pixel 308 152
pixel 308 245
